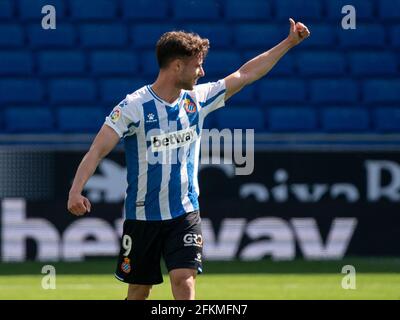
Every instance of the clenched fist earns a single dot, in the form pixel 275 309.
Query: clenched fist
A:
pixel 78 204
pixel 298 32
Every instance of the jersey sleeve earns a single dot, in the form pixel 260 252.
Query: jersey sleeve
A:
pixel 211 96
pixel 123 120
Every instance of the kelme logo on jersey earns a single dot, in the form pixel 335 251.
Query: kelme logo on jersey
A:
pixel 173 140
pixel 151 118
pixel 126 265
pixel 115 115
pixel 190 106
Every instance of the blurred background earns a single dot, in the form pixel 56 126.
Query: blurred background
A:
pixel 326 179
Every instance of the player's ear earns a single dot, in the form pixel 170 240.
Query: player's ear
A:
pixel 181 64
pixel 176 65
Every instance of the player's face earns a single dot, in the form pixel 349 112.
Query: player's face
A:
pixel 192 70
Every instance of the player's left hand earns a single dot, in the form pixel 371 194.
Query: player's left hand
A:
pixel 298 32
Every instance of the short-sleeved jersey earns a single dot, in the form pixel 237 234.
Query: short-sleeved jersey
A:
pixel 162 148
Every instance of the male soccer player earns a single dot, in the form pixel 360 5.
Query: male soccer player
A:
pixel 162 209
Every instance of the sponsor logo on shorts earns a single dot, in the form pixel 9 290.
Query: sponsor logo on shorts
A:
pixel 192 239
pixel 126 265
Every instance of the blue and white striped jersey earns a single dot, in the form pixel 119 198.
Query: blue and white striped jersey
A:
pixel 162 148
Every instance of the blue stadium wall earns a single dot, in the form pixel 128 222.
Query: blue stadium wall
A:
pixel 67 79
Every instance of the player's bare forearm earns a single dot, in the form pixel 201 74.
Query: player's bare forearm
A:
pixel 78 204
pixel 259 66
pixel 104 142
pixel 85 170
pixel 263 63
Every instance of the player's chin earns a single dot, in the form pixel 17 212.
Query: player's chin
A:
pixel 188 86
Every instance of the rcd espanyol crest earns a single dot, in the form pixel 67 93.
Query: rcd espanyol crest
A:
pixel 126 265
pixel 190 106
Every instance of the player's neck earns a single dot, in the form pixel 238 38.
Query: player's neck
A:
pixel 166 89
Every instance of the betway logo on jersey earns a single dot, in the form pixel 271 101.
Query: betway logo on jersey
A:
pixel 173 140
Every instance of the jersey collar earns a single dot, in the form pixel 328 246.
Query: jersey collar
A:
pixel 163 101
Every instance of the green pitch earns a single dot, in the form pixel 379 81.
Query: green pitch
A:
pixel 375 279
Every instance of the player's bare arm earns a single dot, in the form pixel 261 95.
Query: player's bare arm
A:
pixel 104 142
pixel 263 63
